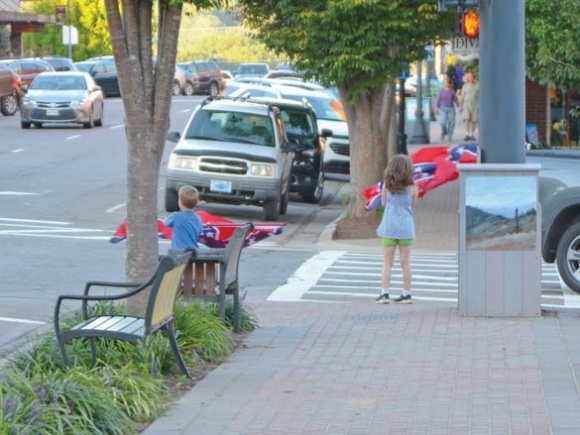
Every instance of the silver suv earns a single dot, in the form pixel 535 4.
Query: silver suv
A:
pixel 233 152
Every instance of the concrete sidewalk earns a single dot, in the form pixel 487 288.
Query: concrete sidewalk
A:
pixel 358 368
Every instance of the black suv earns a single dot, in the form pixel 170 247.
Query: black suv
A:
pixel 202 77
pixel 300 123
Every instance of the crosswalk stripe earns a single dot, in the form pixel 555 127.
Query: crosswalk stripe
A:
pixel 353 275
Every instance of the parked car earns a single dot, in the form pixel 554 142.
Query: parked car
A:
pixel 27 69
pixel 62 97
pixel 252 70
pixel 10 91
pixel 179 81
pixel 330 115
pixel 248 89
pixel 233 152
pixel 300 123
pixel 202 77
pixel 104 73
pixel 559 195
pixel 59 63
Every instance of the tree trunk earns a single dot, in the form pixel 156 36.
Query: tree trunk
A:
pixel 146 93
pixel 370 148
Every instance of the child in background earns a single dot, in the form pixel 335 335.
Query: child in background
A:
pixel 186 223
pixel 397 227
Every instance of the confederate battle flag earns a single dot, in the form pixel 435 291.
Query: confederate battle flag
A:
pixel 216 231
pixel 432 167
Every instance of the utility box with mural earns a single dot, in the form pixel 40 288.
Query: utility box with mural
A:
pixel 500 261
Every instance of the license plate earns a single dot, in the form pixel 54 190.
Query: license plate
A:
pixel 51 112
pixel 220 186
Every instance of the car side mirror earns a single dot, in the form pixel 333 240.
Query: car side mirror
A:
pixel 24 88
pixel 173 136
pixel 326 132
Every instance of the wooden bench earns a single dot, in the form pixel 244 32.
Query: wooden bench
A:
pixel 164 286
pixel 223 263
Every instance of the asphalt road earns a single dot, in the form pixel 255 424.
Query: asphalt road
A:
pixel 62 195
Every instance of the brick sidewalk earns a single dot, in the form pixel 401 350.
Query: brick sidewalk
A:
pixel 358 368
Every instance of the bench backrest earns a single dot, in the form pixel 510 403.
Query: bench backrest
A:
pixel 233 253
pixel 164 290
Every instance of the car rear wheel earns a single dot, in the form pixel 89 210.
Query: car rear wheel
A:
pixel 188 89
pixel 37 124
pixel 9 105
pixel 284 203
pixel 171 203
pixel 568 257
pixel 272 209
pixel 175 88
pixel 99 122
pixel 24 124
pixel 214 89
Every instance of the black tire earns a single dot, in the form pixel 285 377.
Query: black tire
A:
pixel 272 209
pixel 25 125
pixel 188 89
pixel 284 203
pixel 91 122
pixel 315 196
pixel 171 201
pixel 214 89
pixel 568 257
pixel 175 88
pixel 8 105
pixel 37 124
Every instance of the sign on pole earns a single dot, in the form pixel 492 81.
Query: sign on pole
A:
pixel 70 35
pixel 464 46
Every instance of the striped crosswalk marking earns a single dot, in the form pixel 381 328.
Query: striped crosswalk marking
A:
pixel 335 276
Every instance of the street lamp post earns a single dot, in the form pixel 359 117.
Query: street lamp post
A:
pixel 401 135
pixel 419 132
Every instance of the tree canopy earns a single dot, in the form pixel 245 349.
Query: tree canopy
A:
pixel 359 44
pixel 552 41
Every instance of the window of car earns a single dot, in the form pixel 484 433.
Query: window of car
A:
pixel 247 128
pixel 325 108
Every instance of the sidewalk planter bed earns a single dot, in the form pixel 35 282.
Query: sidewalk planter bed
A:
pixel 119 395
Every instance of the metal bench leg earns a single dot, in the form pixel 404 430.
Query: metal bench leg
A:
pixel 173 341
pixel 236 308
pixel 62 347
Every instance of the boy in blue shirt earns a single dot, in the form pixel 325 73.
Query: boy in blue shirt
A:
pixel 186 223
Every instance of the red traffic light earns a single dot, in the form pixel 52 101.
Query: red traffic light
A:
pixel 470 23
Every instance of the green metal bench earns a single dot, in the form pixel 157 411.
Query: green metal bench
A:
pixel 164 286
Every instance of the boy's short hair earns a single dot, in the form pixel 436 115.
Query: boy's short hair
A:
pixel 189 196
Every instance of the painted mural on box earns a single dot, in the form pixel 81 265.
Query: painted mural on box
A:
pixel 501 213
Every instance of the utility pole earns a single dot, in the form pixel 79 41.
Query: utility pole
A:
pixel 502 74
pixel 69 31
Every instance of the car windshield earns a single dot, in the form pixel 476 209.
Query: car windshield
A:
pixel 86 67
pixel 253 69
pixel 325 108
pixel 247 128
pixel 298 123
pixel 59 83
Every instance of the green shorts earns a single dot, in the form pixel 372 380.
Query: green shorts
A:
pixel 395 242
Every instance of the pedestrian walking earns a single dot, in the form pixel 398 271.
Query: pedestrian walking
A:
pixel 469 104
pixel 445 108
pixel 397 227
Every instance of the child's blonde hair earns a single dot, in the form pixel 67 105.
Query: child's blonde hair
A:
pixel 399 174
pixel 188 196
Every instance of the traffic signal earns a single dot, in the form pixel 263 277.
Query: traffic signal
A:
pixel 470 23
